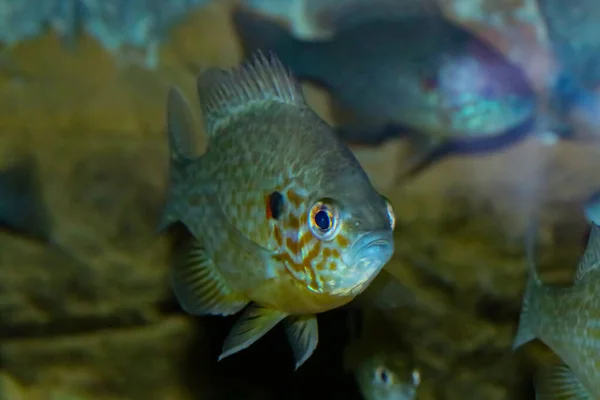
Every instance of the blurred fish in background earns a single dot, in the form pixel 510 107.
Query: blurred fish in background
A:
pixel 565 319
pixel 316 19
pixel 280 212
pixel 383 367
pixel 22 207
pixel 572 33
pixel 405 70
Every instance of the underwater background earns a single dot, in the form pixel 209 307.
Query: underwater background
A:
pixel 86 307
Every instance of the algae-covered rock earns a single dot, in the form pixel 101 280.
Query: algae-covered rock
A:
pixel 9 388
pixel 145 362
pixel 104 196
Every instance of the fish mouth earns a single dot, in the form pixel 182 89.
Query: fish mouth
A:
pixel 368 256
pixel 407 391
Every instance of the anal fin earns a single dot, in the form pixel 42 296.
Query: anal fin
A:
pixel 424 150
pixel 197 284
pixel 254 323
pixel 303 335
pixel 368 135
pixel 362 129
pixel 557 382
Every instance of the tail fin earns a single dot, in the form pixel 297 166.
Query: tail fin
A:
pixel 262 33
pixel 525 332
pixel 182 150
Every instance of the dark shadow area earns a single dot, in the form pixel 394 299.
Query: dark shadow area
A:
pixel 265 370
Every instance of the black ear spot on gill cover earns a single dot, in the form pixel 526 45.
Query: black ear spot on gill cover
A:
pixel 275 205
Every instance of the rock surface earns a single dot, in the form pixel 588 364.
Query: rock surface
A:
pixel 93 317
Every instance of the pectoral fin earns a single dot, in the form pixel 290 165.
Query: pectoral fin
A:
pixel 303 335
pixel 198 285
pixel 558 382
pixel 368 135
pixel 254 323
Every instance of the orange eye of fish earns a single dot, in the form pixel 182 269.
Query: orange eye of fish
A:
pixel 323 220
pixel 390 213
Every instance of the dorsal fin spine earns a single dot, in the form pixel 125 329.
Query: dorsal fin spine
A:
pixel 259 81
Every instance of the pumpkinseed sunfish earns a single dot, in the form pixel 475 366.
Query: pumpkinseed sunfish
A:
pixel 420 72
pixel 22 209
pixel 568 321
pixel 280 212
pixel 382 367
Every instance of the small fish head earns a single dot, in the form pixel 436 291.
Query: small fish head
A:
pixel 341 236
pixel 481 93
pixel 388 377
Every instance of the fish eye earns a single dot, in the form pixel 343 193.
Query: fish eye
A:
pixel 429 83
pixel 416 377
pixel 382 376
pixel 324 220
pixel 390 212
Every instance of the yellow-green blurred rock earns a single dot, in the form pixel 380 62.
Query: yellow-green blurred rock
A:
pixel 107 364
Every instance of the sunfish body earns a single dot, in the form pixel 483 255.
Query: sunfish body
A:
pixel 568 321
pixel 280 212
pixel 420 72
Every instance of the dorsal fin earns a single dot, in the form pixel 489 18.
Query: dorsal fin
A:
pixel 591 257
pixel 224 94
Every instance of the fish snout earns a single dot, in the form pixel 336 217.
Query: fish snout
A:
pixel 367 257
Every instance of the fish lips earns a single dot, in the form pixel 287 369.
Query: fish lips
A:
pixel 406 392
pixel 367 257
